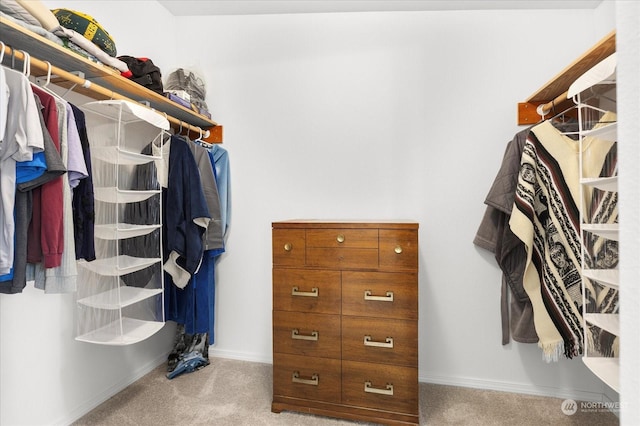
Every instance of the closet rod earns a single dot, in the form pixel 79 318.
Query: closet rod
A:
pixel 46 67
pixel 544 109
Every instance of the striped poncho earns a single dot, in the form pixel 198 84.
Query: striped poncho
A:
pixel 546 217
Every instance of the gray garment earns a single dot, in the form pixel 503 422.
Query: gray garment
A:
pixel 213 237
pixel 23 217
pixel 494 234
pixel 55 166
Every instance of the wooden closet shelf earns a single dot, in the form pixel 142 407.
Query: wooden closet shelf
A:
pixel 554 92
pixel 106 82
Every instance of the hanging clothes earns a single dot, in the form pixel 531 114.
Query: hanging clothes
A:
pixel 495 235
pixel 199 319
pixel 546 219
pixel 62 278
pixel 22 136
pixel 184 224
pixel 220 159
pixel 213 237
pixel 44 218
pixel 83 202
pixel 188 217
pixel 46 241
pixel 23 207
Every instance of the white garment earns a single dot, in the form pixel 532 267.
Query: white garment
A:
pixel 162 164
pixel 22 137
pixel 4 103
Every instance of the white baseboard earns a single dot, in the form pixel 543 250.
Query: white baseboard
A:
pixel 241 356
pixel 522 388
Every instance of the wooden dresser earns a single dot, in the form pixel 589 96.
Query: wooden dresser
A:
pixel 345 319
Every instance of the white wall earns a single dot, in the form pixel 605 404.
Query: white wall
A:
pixel 355 115
pixel 628 39
pixel 385 115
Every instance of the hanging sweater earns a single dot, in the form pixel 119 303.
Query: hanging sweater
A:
pixel 46 241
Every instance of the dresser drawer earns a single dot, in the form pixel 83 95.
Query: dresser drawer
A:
pixel 342 258
pixel 305 290
pixel 306 334
pixel 398 250
pixel 343 238
pixel 306 377
pixel 385 387
pixel 380 294
pixel 288 247
pixel 378 340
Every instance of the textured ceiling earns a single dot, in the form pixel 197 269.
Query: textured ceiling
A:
pixel 260 7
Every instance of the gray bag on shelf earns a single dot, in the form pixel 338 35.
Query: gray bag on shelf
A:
pixel 190 82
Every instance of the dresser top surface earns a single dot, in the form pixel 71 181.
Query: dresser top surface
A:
pixel 326 223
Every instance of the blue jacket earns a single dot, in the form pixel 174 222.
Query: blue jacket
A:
pixel 186 215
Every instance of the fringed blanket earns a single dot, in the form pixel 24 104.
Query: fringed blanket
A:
pixel 546 218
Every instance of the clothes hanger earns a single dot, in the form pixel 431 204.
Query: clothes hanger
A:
pixel 26 64
pixel 563 120
pixel 199 140
pixel 45 85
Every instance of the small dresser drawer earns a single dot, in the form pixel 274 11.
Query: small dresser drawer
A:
pixel 304 377
pixel 306 334
pixel 343 238
pixel 398 250
pixel 288 247
pixel 342 258
pixel 379 386
pixel 302 290
pixel 378 340
pixel 380 294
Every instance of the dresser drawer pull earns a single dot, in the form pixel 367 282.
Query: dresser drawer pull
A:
pixel 295 378
pixel 288 247
pixel 312 293
pixel 295 334
pixel 387 391
pixel 387 298
pixel 398 249
pixel 340 238
pixel 388 343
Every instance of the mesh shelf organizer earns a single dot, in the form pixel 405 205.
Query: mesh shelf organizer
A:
pixel 120 293
pixel 597 119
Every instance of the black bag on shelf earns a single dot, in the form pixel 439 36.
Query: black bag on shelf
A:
pixel 144 72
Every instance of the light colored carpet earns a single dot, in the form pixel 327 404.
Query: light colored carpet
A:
pixel 237 393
